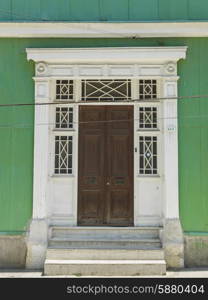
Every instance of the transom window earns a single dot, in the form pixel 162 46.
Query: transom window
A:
pixel 106 90
pixel 64 89
pixel 147 89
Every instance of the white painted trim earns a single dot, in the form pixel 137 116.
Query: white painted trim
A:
pixel 109 55
pixel 103 30
pixel 137 62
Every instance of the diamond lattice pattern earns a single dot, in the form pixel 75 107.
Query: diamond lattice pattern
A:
pixel 148 154
pixel 106 90
pixel 64 89
pixel 148 89
pixel 63 154
pixel 64 117
pixel 148 118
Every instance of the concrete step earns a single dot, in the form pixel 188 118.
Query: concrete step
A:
pixel 105 232
pixel 104 267
pixel 105 243
pixel 103 254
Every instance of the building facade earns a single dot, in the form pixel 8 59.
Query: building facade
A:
pixel 114 133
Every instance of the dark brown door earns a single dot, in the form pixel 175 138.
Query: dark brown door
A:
pixel 105 193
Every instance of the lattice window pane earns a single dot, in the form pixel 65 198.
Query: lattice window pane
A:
pixel 148 155
pixel 63 155
pixel 106 90
pixel 148 118
pixel 64 89
pixel 147 89
pixel 64 117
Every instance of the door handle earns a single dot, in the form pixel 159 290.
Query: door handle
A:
pixel 108 183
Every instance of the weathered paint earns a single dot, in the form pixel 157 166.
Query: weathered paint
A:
pixel 103 10
pixel 16 127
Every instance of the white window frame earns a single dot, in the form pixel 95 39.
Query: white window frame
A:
pixel 62 132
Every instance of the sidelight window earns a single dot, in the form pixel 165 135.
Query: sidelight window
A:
pixel 148 128
pixel 63 154
pixel 64 117
pixel 148 117
pixel 63 139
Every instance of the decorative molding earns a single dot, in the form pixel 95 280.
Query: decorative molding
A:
pixel 104 29
pixel 41 68
pixel 109 55
pixel 171 68
pixel 41 90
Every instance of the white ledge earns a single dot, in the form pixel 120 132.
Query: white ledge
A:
pixel 96 29
pixel 106 55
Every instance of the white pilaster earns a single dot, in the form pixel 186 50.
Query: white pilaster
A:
pixel 170 150
pixel 172 234
pixel 37 239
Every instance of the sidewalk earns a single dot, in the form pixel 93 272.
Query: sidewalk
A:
pixel 184 273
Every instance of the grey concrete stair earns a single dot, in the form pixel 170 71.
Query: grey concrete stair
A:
pixel 104 254
pixel 104 251
pixel 104 267
pixel 106 232
pixel 105 243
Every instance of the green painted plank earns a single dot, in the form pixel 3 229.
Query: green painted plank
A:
pixel 140 10
pixel 55 10
pixel 5 10
pixel 173 9
pixel 16 149
pixel 198 9
pixel 85 11
pixel 26 10
pixel 203 81
pixel 22 164
pixel 189 141
pixel 103 10
pixel 5 179
pixel 113 10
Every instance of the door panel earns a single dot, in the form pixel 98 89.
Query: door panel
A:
pixel 119 195
pixel 91 165
pixel 105 165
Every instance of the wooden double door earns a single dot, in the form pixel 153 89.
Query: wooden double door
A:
pixel 105 185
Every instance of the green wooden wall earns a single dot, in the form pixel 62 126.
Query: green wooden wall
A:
pixel 16 127
pixel 103 10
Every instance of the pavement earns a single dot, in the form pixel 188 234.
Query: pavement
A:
pixel 183 273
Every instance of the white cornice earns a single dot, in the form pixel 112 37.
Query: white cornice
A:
pixel 96 30
pixel 108 55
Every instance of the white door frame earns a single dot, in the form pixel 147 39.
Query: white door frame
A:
pixel 135 62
